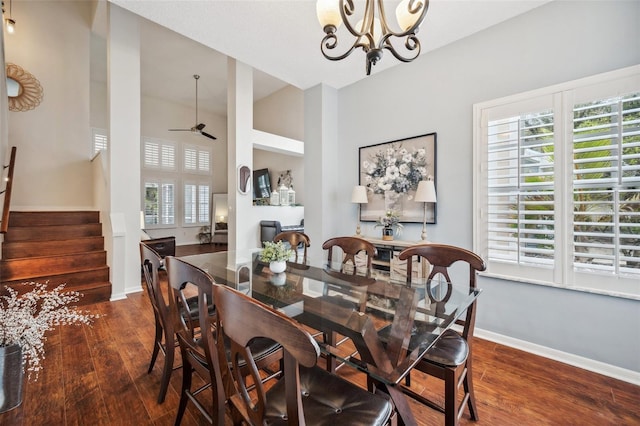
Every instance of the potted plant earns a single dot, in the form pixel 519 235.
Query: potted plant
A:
pixel 276 254
pixel 205 234
pixel 24 320
pixel 389 221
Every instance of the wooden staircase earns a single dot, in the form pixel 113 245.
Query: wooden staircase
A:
pixel 59 247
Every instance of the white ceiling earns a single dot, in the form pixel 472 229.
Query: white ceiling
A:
pixel 279 38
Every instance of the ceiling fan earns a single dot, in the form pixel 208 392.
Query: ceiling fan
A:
pixel 197 128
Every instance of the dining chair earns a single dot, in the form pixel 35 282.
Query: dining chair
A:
pixel 450 358
pixel 297 240
pixel 202 350
pixel 165 342
pixel 351 247
pixel 305 394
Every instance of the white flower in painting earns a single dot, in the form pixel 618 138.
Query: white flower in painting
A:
pixel 403 152
pixel 404 169
pixel 421 153
pixel 392 172
pixel 366 165
pixel 390 152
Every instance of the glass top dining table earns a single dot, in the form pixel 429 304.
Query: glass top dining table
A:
pixel 391 323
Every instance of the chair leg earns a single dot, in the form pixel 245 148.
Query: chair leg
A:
pixel 166 371
pixel 187 372
pixel 468 388
pixel 156 346
pixel 450 397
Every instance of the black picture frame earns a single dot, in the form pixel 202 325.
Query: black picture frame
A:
pixel 261 184
pixel 391 171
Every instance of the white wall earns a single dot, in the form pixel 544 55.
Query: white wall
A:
pixel 557 42
pixel 281 113
pixel 52 162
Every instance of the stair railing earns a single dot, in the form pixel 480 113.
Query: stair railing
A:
pixel 4 223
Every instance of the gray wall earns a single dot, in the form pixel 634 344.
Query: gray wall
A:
pixel 557 42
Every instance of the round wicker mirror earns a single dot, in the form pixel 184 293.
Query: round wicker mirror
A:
pixel 29 92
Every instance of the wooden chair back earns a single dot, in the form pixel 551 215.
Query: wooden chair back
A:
pixel 295 239
pixel 442 257
pixel 201 344
pixel 244 319
pixel 350 247
pixel 151 264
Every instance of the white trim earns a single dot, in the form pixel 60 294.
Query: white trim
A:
pixel 609 370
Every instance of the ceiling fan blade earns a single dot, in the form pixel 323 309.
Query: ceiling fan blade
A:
pixel 208 135
pixel 201 126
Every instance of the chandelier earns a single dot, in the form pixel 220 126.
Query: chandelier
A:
pixel 373 32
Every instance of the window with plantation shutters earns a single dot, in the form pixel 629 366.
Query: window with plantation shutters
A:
pixel 197 160
pixel 158 154
pixel 159 202
pixel 196 203
pixel 557 185
pixel 99 141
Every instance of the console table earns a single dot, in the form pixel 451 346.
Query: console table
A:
pixel 387 258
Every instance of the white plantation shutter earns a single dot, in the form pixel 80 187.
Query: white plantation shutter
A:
pixel 557 185
pixel 168 157
pixel 203 161
pixel 190 159
pixel 151 154
pixel 203 203
pixel 190 204
pixel 99 140
pixel 606 181
pixel 521 189
pixel 168 204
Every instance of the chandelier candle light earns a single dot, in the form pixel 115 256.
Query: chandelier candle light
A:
pixel 373 31
pixel 426 193
pixel 359 196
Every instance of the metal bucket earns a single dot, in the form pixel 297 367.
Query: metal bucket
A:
pixel 12 377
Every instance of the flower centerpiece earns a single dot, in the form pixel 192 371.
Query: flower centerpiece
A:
pixel 24 321
pixel 276 254
pixel 389 221
pixel 395 171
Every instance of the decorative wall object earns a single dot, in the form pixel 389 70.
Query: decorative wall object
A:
pixel 29 91
pixel 391 172
pixel 244 179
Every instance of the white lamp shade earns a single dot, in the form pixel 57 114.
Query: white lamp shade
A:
pixel 359 195
pixel 426 192
pixel 407 19
pixel 328 12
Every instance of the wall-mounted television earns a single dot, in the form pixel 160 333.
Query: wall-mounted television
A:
pixel 261 184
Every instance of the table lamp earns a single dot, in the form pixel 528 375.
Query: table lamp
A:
pixel 359 196
pixel 426 193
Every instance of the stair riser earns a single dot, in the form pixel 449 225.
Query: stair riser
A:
pixel 90 293
pixel 42 233
pixel 22 249
pixel 20 269
pixel 71 279
pixel 53 218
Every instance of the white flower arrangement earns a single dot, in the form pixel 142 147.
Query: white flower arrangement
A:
pixel 395 169
pixel 24 319
pixel 275 252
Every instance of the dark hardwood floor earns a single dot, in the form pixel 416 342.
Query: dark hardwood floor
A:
pixel 97 375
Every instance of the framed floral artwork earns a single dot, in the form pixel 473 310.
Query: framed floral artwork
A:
pixel 391 171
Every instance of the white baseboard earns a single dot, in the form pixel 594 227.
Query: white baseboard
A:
pixel 609 370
